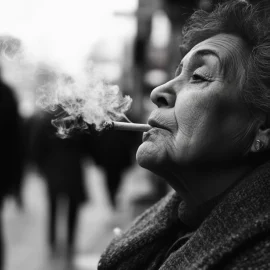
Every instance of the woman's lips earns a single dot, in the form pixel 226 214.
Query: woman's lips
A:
pixel 155 124
pixel 155 131
pixel 145 136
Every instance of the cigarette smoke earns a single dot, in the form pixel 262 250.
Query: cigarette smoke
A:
pixel 87 96
pixel 10 47
pixel 54 39
pixel 18 71
pixel 84 96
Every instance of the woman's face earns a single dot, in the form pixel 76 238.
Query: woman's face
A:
pixel 200 118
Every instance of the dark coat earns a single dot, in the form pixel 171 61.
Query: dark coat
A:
pixel 235 235
pixel 115 149
pixel 58 160
pixel 11 139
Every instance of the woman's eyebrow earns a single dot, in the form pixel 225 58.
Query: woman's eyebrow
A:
pixel 206 52
pixel 223 63
pixel 198 55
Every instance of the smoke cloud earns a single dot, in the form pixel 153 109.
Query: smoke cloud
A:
pixel 87 97
pixel 82 98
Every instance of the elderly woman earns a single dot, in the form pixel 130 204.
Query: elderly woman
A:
pixel 210 141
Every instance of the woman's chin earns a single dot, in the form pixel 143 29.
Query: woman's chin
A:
pixel 148 156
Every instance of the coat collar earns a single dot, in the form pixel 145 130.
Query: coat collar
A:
pixel 241 214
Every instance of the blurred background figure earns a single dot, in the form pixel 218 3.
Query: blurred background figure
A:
pixel 12 146
pixel 114 153
pixel 59 161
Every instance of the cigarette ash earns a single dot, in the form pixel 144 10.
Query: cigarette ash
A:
pixel 85 100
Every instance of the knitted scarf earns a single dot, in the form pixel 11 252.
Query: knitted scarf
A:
pixel 235 234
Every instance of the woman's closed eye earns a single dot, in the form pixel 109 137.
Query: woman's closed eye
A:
pixel 197 78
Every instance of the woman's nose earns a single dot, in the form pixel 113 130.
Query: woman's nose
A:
pixel 164 95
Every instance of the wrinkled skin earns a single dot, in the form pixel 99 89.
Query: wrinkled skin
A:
pixel 200 120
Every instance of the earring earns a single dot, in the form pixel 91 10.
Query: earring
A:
pixel 258 145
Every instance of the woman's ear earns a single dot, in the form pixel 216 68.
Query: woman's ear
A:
pixel 261 141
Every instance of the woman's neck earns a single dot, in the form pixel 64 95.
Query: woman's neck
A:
pixel 197 185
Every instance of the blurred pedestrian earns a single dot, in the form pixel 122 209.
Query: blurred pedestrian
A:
pixel 114 152
pixel 60 162
pixel 11 151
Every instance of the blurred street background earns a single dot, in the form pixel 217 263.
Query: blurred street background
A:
pixel 62 200
pixel 25 229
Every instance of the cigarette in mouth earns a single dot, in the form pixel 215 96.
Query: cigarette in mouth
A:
pixel 127 126
pixel 70 122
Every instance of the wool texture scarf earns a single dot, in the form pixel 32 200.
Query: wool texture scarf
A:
pixel 235 235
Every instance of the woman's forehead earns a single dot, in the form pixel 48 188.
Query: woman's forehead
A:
pixel 230 51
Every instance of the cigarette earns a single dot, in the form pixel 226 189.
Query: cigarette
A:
pixel 70 122
pixel 128 126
